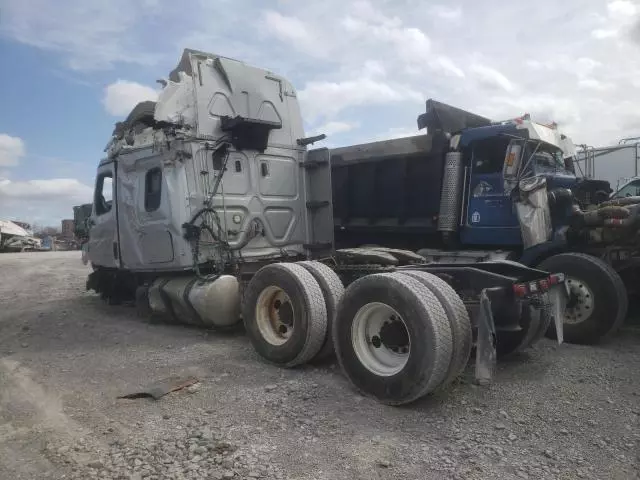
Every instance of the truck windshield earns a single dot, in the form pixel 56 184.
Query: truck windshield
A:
pixel 545 157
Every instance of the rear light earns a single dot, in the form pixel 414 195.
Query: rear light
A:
pixel 556 278
pixel 537 287
pixel 520 289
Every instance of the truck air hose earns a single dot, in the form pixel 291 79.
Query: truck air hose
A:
pixel 193 232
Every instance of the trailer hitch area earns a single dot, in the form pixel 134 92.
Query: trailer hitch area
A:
pixel 486 341
pixel 555 293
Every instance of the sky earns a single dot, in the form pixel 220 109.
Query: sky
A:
pixel 363 69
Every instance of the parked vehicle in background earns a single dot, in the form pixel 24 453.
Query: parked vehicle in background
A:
pixel 17 238
pixel 616 164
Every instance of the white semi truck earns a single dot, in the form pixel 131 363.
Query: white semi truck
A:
pixel 210 208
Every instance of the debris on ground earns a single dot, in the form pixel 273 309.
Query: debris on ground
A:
pixel 161 388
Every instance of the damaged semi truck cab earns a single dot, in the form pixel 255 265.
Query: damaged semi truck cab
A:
pixel 471 189
pixel 210 209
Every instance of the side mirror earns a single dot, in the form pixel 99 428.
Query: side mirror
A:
pixel 511 165
pixel 512 160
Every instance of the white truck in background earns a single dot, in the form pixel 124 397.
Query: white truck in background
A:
pixel 616 164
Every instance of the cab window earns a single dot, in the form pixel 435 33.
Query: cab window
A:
pixel 103 197
pixel 488 155
pixel 152 189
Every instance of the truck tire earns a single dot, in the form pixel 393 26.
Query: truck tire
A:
pixel 509 343
pixel 462 337
pixel 332 291
pixel 598 303
pixel 143 308
pixel 284 314
pixel 392 338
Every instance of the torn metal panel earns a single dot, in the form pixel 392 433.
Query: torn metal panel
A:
pixel 533 211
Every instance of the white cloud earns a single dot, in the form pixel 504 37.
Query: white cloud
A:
pixel 447 12
pixel 446 66
pixel 621 15
pixel 491 78
pixel 12 149
pixel 375 61
pixel 590 83
pixel 622 8
pixel 45 189
pixel 395 132
pixel 323 98
pixel 333 128
pixel 602 33
pixel 373 68
pixel 410 44
pixel 291 29
pixel 42 201
pixel 90 35
pixel 121 96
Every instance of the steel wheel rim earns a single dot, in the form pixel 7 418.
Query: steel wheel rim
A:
pixel 372 352
pixel 582 299
pixel 274 315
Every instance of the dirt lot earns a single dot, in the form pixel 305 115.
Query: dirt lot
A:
pixel 556 412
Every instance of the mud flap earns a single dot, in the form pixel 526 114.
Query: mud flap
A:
pixel 486 342
pixel 558 297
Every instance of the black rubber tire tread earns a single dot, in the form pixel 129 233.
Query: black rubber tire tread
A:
pixel 606 285
pixel 428 328
pixel 143 309
pixel 462 336
pixel 310 328
pixel 332 290
pixel 510 343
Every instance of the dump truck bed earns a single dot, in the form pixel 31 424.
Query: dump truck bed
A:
pixel 386 188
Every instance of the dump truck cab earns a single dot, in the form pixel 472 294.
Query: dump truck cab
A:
pixel 495 158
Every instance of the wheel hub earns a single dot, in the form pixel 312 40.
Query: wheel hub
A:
pixel 580 304
pixel 394 335
pixel 275 315
pixel 380 339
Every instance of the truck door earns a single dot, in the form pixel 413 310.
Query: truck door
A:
pixel 491 218
pixel 103 239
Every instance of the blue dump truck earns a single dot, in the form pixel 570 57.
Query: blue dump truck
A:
pixel 472 190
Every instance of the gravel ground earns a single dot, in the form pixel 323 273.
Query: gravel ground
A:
pixel 556 412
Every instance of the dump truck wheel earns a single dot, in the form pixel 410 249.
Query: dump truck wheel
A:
pixel 284 314
pixel 598 299
pixel 458 316
pixel 392 338
pixel 332 291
